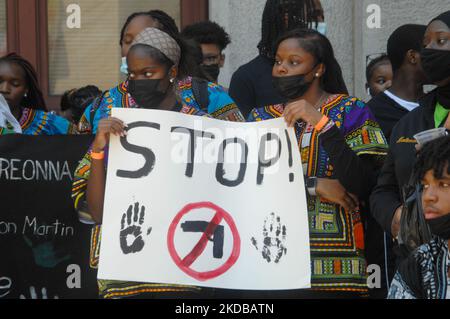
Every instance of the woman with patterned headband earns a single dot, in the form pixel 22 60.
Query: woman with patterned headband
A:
pixel 153 66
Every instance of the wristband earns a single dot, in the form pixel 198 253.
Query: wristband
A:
pixel 98 156
pixel 311 185
pixel 323 121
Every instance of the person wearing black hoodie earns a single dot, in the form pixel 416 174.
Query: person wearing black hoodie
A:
pixel 403 49
pixel 386 200
pixel 389 106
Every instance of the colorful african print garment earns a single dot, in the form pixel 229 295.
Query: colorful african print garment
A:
pixel 433 264
pixel 336 236
pixel 221 106
pixel 36 122
pixel 112 289
pixel 6 130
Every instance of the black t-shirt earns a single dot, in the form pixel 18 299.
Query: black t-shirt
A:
pixel 251 86
pixel 387 112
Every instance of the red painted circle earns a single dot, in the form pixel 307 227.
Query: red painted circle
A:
pixel 207 275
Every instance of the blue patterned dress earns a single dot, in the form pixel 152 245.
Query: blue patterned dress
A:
pixel 37 122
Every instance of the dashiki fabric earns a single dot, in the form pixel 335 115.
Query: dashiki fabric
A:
pixel 433 264
pixel 7 130
pixel 113 289
pixel 221 106
pixel 336 236
pixel 37 122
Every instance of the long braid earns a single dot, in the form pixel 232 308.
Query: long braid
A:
pixel 434 156
pixel 35 98
pixel 280 16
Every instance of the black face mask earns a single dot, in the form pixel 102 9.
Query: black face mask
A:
pixel 436 64
pixel 212 71
pixel 440 226
pixel 146 93
pixel 291 87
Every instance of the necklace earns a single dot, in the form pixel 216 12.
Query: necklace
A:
pixel 318 105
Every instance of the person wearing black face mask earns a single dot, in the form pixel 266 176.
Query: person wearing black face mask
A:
pixel 213 40
pixel 341 145
pixel 153 63
pixel 386 200
pixel 192 90
pixel 425 273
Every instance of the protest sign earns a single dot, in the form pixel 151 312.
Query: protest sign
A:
pixel 44 248
pixel 197 201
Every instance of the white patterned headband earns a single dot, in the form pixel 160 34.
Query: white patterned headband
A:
pixel 161 41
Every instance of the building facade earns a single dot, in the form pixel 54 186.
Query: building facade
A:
pixel 74 43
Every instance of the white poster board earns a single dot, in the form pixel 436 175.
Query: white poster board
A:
pixel 176 213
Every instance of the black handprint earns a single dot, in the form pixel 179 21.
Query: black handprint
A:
pixel 133 228
pixel 273 246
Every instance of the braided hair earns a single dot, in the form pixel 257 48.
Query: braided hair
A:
pixel 435 156
pixel 167 23
pixel 35 98
pixel 280 16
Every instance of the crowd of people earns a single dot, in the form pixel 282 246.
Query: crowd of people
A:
pixel 359 159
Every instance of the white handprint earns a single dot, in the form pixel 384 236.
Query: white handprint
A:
pixel 33 294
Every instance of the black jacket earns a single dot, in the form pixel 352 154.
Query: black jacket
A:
pixel 387 112
pixel 395 174
pixel 251 86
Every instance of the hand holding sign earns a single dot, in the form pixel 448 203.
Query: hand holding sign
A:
pixel 106 127
pixel 133 228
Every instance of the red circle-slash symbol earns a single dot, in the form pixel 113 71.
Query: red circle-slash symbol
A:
pixel 185 263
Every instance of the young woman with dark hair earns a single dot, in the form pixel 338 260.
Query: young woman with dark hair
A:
pixel 153 68
pixel 341 145
pixel 20 88
pixel 433 112
pixel 201 95
pixel 251 84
